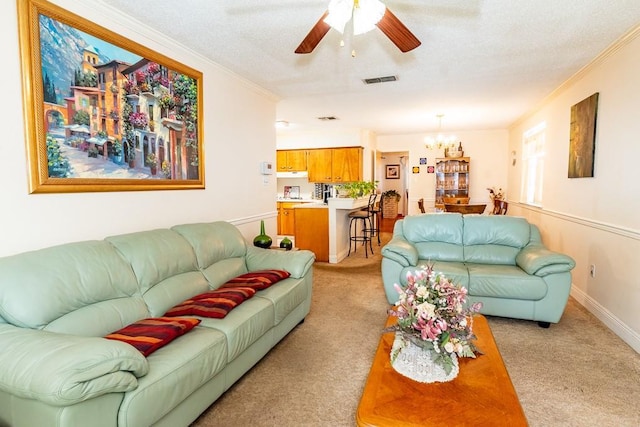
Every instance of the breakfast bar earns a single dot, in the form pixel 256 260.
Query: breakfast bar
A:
pixel 324 228
pixel 339 209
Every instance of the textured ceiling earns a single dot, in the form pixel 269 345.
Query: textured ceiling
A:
pixel 482 63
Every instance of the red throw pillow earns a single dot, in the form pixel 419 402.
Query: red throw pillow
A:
pixel 216 304
pixel 258 280
pixel 148 335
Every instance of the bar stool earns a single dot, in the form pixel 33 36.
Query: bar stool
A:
pixel 361 218
pixel 374 218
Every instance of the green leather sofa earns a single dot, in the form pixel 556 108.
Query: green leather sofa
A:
pixel 501 260
pixel 57 303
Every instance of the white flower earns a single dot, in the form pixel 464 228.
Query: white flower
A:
pixel 426 310
pixel 422 291
pixel 449 347
pixel 463 322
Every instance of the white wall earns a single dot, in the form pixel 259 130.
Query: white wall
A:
pixel 235 190
pixel 486 148
pixel 594 220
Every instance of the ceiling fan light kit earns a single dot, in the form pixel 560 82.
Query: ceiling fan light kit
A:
pixel 365 15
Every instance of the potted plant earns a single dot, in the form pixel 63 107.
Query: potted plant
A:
pixel 390 199
pixel 117 152
pixel 166 170
pixel 131 154
pixel 92 152
pixel 357 188
pixel 138 120
pixel 152 161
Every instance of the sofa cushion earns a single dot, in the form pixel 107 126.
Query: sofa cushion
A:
pixel 175 373
pixel 285 297
pixel 219 247
pixel 73 286
pixel 244 325
pixel 440 227
pixel 215 304
pixel 165 266
pixel 504 281
pixel 494 239
pixel 435 236
pixel 258 280
pixel 148 335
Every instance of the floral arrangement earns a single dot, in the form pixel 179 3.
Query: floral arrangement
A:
pixel 152 159
pixel 138 120
pixel 496 194
pixel 433 314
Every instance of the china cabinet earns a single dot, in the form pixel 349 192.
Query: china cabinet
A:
pixel 452 181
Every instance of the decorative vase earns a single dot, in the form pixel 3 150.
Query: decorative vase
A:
pixel 416 363
pixel 286 244
pixel 262 240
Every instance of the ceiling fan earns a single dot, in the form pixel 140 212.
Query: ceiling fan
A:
pixel 365 14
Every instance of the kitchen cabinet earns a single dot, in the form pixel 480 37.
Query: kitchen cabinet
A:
pixel 286 218
pixel 452 181
pixel 291 160
pixel 312 231
pixel 335 165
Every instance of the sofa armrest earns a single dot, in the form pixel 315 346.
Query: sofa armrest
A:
pixel 62 370
pixel 297 263
pixel 540 261
pixel 401 251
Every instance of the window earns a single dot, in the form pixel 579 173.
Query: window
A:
pixel 533 165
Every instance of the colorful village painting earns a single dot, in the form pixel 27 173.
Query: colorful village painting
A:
pixel 111 114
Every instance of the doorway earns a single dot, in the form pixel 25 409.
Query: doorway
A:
pixel 388 163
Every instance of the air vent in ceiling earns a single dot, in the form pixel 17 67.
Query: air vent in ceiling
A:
pixel 327 118
pixel 380 80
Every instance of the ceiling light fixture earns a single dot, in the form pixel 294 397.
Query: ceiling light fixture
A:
pixel 364 13
pixel 440 140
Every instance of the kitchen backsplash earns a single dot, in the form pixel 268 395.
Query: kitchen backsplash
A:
pixel 307 189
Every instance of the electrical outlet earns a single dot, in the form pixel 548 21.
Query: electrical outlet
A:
pixel 592 270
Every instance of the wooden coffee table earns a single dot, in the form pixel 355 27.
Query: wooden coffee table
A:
pixel 481 394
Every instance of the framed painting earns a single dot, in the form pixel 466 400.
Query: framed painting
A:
pixel 393 172
pixel 582 142
pixel 102 112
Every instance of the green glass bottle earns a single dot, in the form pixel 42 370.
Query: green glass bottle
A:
pixel 262 240
pixel 286 243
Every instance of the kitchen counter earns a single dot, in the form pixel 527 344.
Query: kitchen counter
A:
pixel 319 205
pixel 339 209
pixel 324 229
pixel 301 200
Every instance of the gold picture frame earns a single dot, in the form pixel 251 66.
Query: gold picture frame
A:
pixel 582 137
pixel 102 112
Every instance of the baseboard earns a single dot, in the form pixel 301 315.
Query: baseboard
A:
pixel 618 327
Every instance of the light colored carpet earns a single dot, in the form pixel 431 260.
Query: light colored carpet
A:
pixel 576 373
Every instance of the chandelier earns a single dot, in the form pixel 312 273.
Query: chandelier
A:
pixel 440 140
pixel 364 13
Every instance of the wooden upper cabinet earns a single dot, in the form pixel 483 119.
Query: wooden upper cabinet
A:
pixel 319 165
pixel 335 165
pixel 347 164
pixel 291 160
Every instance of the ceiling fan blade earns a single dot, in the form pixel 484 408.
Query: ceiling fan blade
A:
pixel 400 35
pixel 315 35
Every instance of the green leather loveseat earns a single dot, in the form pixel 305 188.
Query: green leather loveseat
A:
pixel 501 260
pixel 57 304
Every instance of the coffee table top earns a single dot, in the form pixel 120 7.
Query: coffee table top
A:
pixel 481 395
